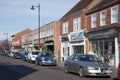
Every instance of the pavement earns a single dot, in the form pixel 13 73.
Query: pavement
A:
pixel 60 63
pixel 114 70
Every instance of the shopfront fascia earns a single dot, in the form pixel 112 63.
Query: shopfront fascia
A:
pixel 104 44
pixel 77 42
pixel 27 47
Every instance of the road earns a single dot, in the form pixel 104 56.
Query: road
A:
pixel 16 69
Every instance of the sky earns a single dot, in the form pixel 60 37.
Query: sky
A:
pixel 16 15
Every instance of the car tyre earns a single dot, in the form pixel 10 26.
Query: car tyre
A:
pixel 36 62
pixel 40 63
pixel 66 69
pixel 81 72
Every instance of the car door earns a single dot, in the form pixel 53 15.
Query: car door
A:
pixel 75 64
pixel 70 62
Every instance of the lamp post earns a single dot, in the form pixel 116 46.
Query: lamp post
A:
pixel 38 6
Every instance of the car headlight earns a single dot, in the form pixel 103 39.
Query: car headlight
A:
pixel 93 68
pixel 43 58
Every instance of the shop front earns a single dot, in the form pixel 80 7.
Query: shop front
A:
pixel 77 42
pixel 49 46
pixel 65 48
pixel 104 44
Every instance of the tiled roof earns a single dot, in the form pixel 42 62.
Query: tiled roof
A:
pixel 78 7
pixel 103 4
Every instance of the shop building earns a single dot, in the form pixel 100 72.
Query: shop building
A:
pixel 103 31
pixel 27 42
pixel 17 39
pixel 49 36
pixel 73 25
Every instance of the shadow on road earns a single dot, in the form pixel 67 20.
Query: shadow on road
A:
pixel 14 72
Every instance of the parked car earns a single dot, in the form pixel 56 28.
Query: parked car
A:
pixel 24 56
pixel 17 55
pixel 2 52
pixel 7 53
pixel 32 56
pixel 45 58
pixel 119 71
pixel 11 54
pixel 87 65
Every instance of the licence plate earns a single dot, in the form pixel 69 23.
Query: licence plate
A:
pixel 49 61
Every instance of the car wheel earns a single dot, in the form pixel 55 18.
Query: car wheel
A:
pixel 31 61
pixel 36 62
pixel 81 72
pixel 40 63
pixel 66 69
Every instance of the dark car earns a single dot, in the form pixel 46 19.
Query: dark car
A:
pixel 87 65
pixel 25 56
pixel 45 58
pixel 17 55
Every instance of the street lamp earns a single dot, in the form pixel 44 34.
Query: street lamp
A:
pixel 33 7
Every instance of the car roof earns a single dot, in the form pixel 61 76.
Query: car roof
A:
pixel 82 54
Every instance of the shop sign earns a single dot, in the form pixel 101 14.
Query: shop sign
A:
pixel 22 46
pixel 77 36
pixel 103 34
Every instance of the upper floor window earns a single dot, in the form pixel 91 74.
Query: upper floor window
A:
pixel 102 18
pixel 93 20
pixel 65 27
pixel 114 14
pixel 77 24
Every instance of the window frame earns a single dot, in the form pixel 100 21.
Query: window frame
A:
pixel 77 23
pixel 113 14
pixel 65 26
pixel 93 21
pixel 103 18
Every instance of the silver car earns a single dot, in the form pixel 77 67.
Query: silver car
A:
pixel 87 65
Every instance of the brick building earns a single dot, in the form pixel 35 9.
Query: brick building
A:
pixel 103 31
pixel 17 39
pixel 73 25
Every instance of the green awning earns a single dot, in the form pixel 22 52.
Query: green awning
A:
pixel 36 45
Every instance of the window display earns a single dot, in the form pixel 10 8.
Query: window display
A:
pixel 104 50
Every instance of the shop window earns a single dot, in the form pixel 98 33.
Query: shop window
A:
pixel 104 50
pixel 109 52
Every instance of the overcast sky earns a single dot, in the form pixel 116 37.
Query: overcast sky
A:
pixel 16 15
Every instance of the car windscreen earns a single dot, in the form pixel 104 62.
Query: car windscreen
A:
pixel 17 53
pixel 46 54
pixel 88 58
pixel 35 52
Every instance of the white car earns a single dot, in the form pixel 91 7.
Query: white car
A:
pixel 11 54
pixel 32 56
